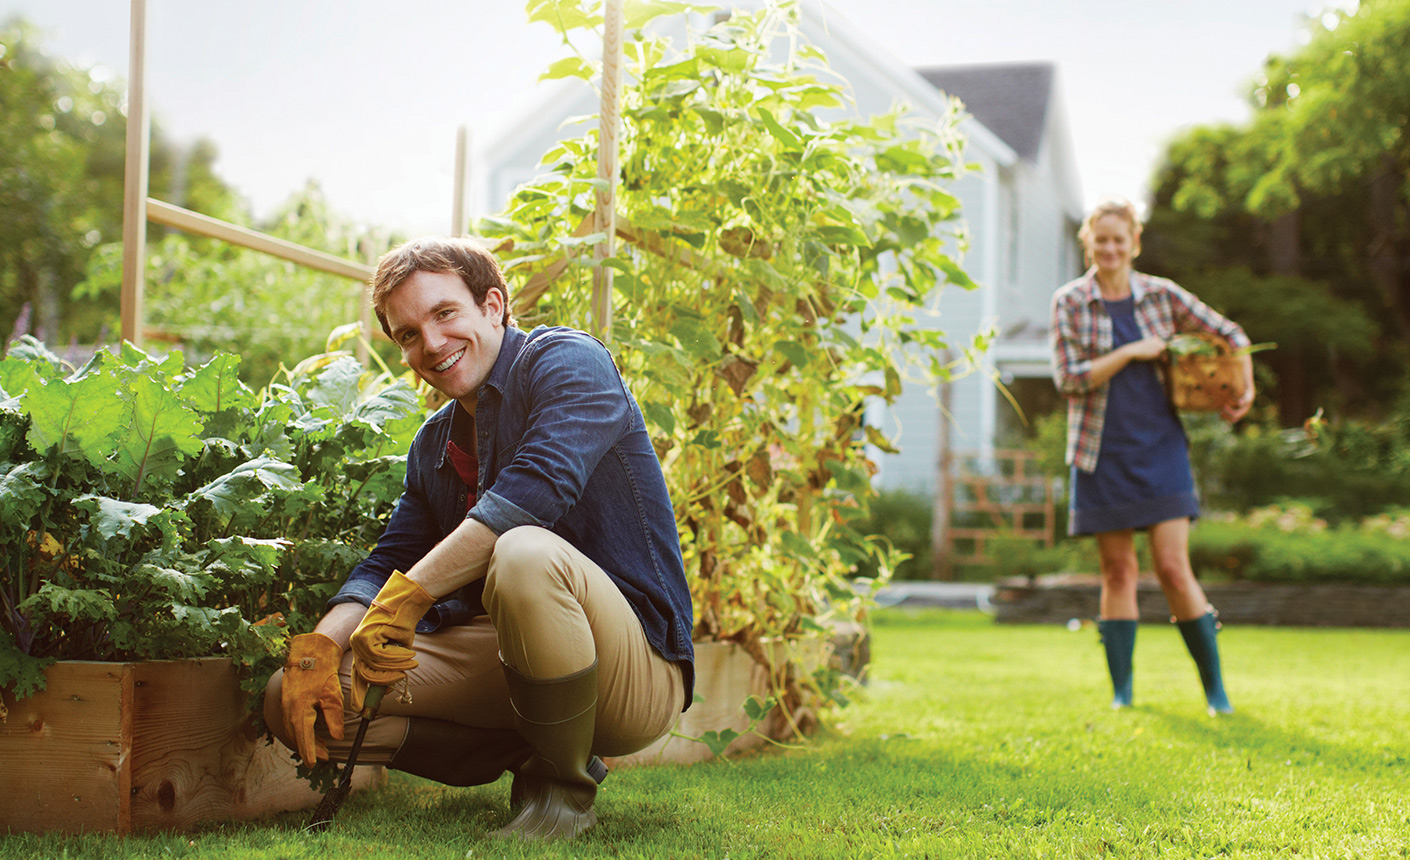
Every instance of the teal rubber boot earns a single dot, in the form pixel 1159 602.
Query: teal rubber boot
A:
pixel 1119 638
pixel 1200 636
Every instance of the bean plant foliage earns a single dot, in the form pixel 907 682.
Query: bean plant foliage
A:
pixel 154 511
pixel 779 253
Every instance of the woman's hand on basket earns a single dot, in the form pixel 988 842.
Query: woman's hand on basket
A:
pixel 1146 349
pixel 1239 408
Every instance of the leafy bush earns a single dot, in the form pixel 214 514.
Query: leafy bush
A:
pixel 148 511
pixel 1290 544
pixel 1344 472
pixel 781 250
pixel 903 520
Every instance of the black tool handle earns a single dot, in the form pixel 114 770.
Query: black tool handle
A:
pixel 370 703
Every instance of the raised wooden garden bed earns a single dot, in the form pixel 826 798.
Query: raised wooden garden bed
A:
pixel 1057 599
pixel 124 747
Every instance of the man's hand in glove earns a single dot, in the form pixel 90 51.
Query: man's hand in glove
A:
pixel 311 688
pixel 381 645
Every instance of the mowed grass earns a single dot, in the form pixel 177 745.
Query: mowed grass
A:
pixel 972 741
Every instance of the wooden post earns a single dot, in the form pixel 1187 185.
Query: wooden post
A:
pixel 608 127
pixel 134 201
pixel 940 542
pixel 457 207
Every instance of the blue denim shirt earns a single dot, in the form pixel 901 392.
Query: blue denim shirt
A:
pixel 561 444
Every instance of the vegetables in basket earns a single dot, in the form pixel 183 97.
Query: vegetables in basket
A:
pixel 1205 372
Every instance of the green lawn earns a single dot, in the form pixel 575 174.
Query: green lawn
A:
pixel 974 740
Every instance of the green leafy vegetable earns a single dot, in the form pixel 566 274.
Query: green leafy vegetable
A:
pixel 150 512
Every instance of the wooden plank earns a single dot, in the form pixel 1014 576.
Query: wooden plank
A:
pixel 197 757
pixel 457 200
pixel 608 128
pixel 725 676
pixel 120 747
pixel 62 752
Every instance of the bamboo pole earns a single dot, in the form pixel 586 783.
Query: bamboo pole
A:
pixel 609 125
pixel 457 208
pixel 204 225
pixel 134 188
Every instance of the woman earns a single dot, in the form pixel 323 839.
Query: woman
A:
pixel 1127 449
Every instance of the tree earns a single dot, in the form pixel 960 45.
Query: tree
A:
pixel 1334 124
pixel 62 140
pixel 1310 201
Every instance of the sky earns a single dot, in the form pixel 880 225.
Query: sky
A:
pixel 367 103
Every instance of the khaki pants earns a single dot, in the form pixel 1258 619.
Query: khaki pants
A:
pixel 552 611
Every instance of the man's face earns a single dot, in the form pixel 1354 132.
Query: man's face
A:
pixel 446 338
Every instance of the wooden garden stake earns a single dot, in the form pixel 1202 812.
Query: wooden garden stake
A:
pixel 608 127
pixel 134 192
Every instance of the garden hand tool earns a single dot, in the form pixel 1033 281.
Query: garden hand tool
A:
pixel 333 800
pixel 381 644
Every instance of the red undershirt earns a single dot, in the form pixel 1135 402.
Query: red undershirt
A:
pixel 467 467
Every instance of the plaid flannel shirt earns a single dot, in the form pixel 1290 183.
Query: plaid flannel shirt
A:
pixel 1081 331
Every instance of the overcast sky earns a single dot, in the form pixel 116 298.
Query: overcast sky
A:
pixel 366 100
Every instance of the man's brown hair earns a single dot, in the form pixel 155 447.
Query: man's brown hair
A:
pixel 476 267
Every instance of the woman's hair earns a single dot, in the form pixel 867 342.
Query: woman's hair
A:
pixel 1112 206
pixel 476 267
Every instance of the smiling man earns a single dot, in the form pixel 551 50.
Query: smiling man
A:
pixel 527 605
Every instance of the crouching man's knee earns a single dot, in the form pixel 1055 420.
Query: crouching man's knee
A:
pixel 528 565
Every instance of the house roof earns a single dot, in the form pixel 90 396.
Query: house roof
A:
pixel 1010 99
pixel 826 29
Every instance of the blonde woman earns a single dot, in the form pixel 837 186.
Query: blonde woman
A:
pixel 1127 449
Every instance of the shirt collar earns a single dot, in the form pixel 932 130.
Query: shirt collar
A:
pixel 1092 293
pixel 509 348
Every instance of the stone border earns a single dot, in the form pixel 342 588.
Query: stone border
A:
pixel 1062 598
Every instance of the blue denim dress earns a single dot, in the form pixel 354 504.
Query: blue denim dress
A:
pixel 1143 469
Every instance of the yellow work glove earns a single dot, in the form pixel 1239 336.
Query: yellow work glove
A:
pixel 311 688
pixel 381 645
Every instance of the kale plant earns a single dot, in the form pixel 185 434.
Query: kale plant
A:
pixel 151 511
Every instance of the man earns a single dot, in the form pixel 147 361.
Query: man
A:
pixel 527 605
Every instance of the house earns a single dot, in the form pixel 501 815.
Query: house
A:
pixel 1022 205
pixel 1023 208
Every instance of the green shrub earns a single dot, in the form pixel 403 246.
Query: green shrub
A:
pixel 1288 544
pixel 1345 472
pixel 903 520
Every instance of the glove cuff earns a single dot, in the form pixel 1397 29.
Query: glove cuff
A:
pixel 403 599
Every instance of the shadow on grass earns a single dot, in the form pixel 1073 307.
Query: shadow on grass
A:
pixel 1259 741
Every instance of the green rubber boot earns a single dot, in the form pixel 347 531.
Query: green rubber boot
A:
pixel 454 754
pixel 557 717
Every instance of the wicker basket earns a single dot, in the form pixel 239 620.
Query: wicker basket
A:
pixel 1206 383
